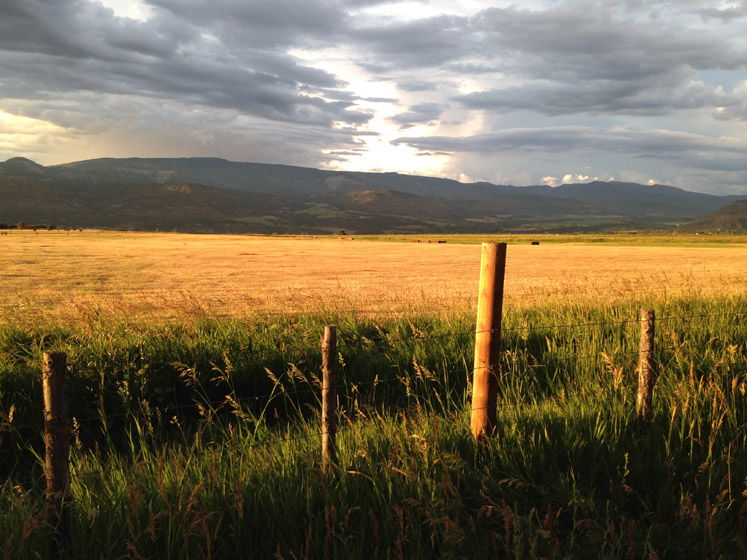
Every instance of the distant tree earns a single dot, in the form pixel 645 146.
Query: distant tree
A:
pixel 342 232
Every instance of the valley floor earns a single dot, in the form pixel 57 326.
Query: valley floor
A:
pixel 72 276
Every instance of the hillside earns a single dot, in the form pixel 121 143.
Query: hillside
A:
pixel 215 195
pixel 729 219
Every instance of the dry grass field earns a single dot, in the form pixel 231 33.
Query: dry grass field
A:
pixel 79 276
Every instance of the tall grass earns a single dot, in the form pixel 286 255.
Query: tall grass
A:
pixel 201 439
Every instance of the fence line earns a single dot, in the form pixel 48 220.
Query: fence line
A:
pixel 351 388
pixel 272 440
pixel 342 388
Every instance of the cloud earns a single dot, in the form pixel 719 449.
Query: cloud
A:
pixel 569 58
pixel 566 60
pixel 550 181
pixel 221 55
pixel 416 85
pixel 567 138
pixel 422 113
pixel 732 11
pixel 264 25
pixel 599 97
pixel 423 43
pixel 569 178
pixel 552 139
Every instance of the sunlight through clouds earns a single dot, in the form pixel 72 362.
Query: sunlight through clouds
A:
pixel 28 135
pixel 133 9
pixel 485 89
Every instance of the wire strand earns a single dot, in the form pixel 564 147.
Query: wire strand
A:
pixel 353 387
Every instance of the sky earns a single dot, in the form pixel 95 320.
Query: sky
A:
pixel 521 93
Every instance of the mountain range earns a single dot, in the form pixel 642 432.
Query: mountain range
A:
pixel 216 195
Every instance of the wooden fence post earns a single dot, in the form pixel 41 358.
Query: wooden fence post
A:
pixel 488 339
pixel 646 369
pixel 57 436
pixel 329 396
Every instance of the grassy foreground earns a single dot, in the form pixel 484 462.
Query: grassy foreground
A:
pixel 201 439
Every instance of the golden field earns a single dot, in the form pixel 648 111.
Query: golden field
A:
pixel 76 276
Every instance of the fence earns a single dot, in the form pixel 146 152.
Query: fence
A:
pixel 484 389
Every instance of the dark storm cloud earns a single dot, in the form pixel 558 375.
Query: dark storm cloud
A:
pixel 525 140
pixel 687 149
pixel 575 57
pixel 422 43
pixel 261 24
pixel 380 99
pixel 612 97
pixel 79 29
pixel 736 11
pixel 568 60
pixel 422 113
pixel 50 49
pixel 228 54
pixel 622 57
pixel 416 85
pixel 580 41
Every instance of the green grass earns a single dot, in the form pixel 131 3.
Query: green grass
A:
pixel 188 463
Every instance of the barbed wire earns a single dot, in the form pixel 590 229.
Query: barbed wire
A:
pixel 348 345
pixel 350 387
pixel 313 386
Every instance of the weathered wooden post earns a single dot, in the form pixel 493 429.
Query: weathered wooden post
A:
pixel 646 369
pixel 329 396
pixel 488 339
pixel 57 436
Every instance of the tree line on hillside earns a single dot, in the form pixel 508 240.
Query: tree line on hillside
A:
pixel 25 225
pixel 28 225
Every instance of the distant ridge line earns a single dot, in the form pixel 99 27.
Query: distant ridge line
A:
pixel 234 197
